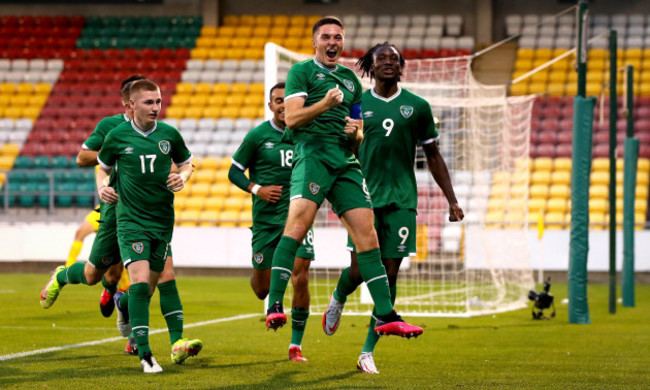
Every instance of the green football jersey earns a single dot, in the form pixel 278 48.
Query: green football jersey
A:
pixel 311 80
pixel 95 142
pixel 392 128
pixel 269 163
pixel 143 161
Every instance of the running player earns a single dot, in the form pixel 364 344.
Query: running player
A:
pixel 145 149
pixel 395 121
pixel 269 161
pixel 105 251
pixel 323 108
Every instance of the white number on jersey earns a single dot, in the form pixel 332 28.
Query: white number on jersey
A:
pixel 403 233
pixel 388 125
pixel 309 238
pixel 286 157
pixel 151 157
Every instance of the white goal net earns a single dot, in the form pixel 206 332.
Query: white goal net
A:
pixel 478 266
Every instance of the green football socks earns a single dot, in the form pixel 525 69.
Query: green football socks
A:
pixel 283 259
pixel 344 287
pixel 172 309
pixel 374 274
pixel 373 337
pixel 111 288
pixel 74 274
pixel 139 315
pixel 298 323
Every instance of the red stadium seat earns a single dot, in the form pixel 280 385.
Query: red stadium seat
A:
pixel 565 137
pixel 549 124
pixel 567 112
pixel 545 150
pixel 547 137
pixel 601 150
pixel 563 150
pixel 443 53
pixel 411 54
pixel 429 53
pixel 32 149
pixel 566 124
pixel 552 111
pixel 534 138
pixel 642 125
pixel 601 138
pixel 181 53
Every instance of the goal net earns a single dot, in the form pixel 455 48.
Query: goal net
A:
pixel 478 266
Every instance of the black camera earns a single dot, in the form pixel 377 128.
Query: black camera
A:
pixel 542 300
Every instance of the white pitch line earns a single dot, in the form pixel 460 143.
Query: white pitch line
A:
pixel 111 339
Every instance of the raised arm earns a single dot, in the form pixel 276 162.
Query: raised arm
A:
pixel 440 174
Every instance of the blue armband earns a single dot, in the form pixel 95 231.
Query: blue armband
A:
pixel 355 111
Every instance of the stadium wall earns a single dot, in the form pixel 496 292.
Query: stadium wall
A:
pixel 204 247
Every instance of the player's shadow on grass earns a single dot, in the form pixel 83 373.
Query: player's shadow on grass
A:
pixel 284 379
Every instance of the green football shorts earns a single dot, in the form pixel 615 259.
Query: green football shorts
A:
pixel 106 250
pixel 266 240
pixel 326 170
pixel 141 245
pixel 396 231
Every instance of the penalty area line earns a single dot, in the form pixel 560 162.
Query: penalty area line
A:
pixel 111 339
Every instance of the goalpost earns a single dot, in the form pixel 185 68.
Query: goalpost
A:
pixel 481 265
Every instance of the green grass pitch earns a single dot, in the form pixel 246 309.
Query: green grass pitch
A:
pixel 507 350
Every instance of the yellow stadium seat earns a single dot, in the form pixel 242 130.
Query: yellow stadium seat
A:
pixel 181 100
pixel 5 100
pixel 235 100
pixel 24 88
pixel 42 89
pixel 238 193
pixel 199 100
pixel 599 178
pixel 214 203
pixel 235 54
pixel 523 64
pixel 203 88
pixel 195 203
pixel 244 31
pixel 640 206
pixel 221 42
pixel 216 54
pixel 231 20
pixel 233 203
pixel 556 205
pixel 179 203
pixel 641 192
pixel 542 164
pixel 37 100
pixel 245 218
pixel 559 191
pixel 525 53
pixel 254 54
pixel 519 89
pixel 226 31
pixel 263 20
pixel 540 177
pixel 597 221
pixel 209 163
pixel 11 150
pixel 13 112
pixel 598 192
pixel 249 112
pixel 248 203
pixel 642 178
pixel 220 88
pixel 538 191
pixel 537 88
pixel 220 190
pixel 533 218
pixel 643 165
pixel 193 112
pixel 516 205
pixel 518 191
pixel 494 219
pixel 7 88
pixel 561 177
pixel 554 221
pixel 298 21
pixel 208 31
pixel 496 204
pixel 280 20
pixel 230 112
pixel 206 42
pixel 184 88
pixel 257 43
pixel 229 218
pixel 254 100
pixel 514 220
pixel 261 32
pixel 199 53
pixel 188 217
pixel 539 77
pixel 598 205
pixel 555 89
pixel 6 162
pixel 537 205
pixel 203 176
pixel 499 190
pixel 277 32
pixel 557 76
pixel 31 112
pixel 562 164
pixel 501 177
pixel 239 43
pixel 571 88
pixel 209 218
pixel 311 19
pixel 213 112
pixel 200 189
pixel 217 100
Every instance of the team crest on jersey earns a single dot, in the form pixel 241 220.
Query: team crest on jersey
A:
pixel 349 85
pixel 107 260
pixel 406 111
pixel 258 257
pixel 137 247
pixel 314 188
pixel 164 146
pixel 269 145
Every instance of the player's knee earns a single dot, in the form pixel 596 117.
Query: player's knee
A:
pixel 92 275
pixel 261 292
pixel 79 235
pixel 166 276
pixel 301 281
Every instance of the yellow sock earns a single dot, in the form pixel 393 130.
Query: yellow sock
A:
pixel 75 249
pixel 123 284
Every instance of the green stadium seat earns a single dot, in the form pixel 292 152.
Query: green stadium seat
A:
pixel 43 198
pixel 27 200
pixel 144 21
pixel 17 178
pixel 37 178
pixel 61 162
pixel 23 162
pixel 64 196
pixel 163 21
pixel 42 162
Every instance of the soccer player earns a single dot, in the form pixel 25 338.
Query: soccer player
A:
pixel 144 149
pixel 105 253
pixel 395 121
pixel 269 161
pixel 323 109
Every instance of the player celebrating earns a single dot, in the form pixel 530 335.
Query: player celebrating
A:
pixel 105 252
pixel 144 150
pixel 322 106
pixel 395 120
pixel 269 161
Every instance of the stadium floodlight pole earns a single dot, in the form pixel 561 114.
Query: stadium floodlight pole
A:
pixel 613 118
pixel 629 190
pixel 583 13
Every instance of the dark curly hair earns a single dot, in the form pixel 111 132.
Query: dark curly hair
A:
pixel 365 61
